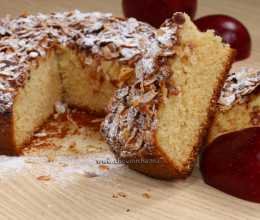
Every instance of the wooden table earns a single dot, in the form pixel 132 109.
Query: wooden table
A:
pixel 24 197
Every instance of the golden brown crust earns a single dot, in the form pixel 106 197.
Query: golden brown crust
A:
pixel 7 144
pixel 160 167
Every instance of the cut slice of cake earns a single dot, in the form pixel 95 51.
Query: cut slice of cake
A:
pixel 239 104
pixel 157 124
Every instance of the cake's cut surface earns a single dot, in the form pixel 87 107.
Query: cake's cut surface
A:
pixel 239 104
pixel 158 123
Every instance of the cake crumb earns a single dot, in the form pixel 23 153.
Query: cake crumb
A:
pixel 119 194
pixel 122 194
pixel 114 196
pixel 44 178
pixel 103 167
pixel 146 195
pixel 73 148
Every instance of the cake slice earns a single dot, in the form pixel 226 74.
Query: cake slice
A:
pixel 239 104
pixel 157 124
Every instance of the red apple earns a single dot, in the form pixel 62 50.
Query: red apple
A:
pixel 231 163
pixel 155 12
pixel 231 30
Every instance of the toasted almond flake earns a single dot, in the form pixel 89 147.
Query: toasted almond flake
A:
pixel 110 51
pixel 238 85
pixel 33 54
pixel 88 60
pixel 97 120
pixel 147 97
pixel 60 107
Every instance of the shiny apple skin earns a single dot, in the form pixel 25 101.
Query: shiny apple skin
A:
pixel 155 12
pixel 231 30
pixel 231 163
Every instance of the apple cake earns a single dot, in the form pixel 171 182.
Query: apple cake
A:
pixel 159 86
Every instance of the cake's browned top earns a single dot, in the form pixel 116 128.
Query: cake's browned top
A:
pixel 27 38
pixel 238 85
pixel 129 127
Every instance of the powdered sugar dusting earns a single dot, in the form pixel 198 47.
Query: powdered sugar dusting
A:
pixel 61 169
pixel 11 165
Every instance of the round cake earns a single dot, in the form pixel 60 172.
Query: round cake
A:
pixel 163 83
